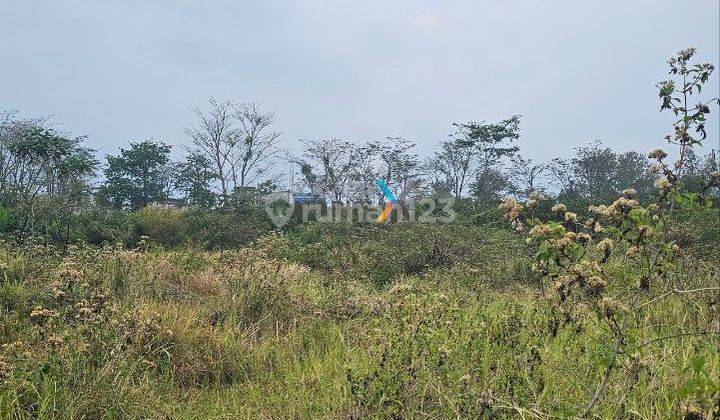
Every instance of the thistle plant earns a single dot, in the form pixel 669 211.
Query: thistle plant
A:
pixel 574 254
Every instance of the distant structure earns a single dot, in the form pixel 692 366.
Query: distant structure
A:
pixel 308 198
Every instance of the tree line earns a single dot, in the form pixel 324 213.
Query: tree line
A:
pixel 235 151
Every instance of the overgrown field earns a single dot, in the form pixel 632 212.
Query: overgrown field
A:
pixel 340 322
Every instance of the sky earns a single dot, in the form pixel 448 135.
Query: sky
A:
pixel 577 71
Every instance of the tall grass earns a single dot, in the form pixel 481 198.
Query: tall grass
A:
pixel 265 332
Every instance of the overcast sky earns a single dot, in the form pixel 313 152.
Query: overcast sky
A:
pixel 123 71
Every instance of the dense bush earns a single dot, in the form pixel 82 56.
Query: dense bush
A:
pixel 379 254
pixel 168 227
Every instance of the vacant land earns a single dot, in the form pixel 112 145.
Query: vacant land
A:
pixel 325 322
pixel 585 286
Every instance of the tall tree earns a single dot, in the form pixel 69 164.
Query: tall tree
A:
pixel 474 152
pixel 194 178
pixel 595 169
pixel 494 143
pixel 237 139
pixel 396 163
pixel 453 165
pixel 214 136
pixel 490 186
pixel 138 176
pixel 633 171
pixel 35 161
pixel 44 175
pixel 701 173
pixel 563 182
pixel 253 145
pixel 363 175
pixel 597 173
pixel 326 165
pixel 526 176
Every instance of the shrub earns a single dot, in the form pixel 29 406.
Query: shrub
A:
pixel 163 225
pixel 575 253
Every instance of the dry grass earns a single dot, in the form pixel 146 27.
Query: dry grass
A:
pixel 186 334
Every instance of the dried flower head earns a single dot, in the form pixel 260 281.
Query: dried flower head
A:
pixel 632 252
pixel 559 208
pixel 584 237
pixel 645 230
pixel 606 245
pixel 662 183
pixel 511 208
pixel 603 210
pixel 563 243
pixel 658 154
pixel 540 231
pixel 629 192
pixel 570 217
pixel 595 283
pixel 609 306
pixel 586 268
pixel 623 205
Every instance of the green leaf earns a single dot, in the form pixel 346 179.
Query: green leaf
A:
pixel 697 362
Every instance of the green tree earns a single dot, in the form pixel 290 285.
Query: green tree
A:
pixel 632 171
pixel 597 173
pixel 44 175
pixel 138 176
pixel 494 144
pixel 594 168
pixel 451 167
pixel 473 155
pixel 194 178
pixel 36 161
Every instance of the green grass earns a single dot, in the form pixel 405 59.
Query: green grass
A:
pixel 263 333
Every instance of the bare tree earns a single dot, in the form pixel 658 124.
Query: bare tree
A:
pixel 398 165
pixel 526 175
pixel 363 174
pixel 214 137
pixel 236 139
pixel 390 159
pixel 561 176
pixel 326 165
pixel 452 165
pixel 254 143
